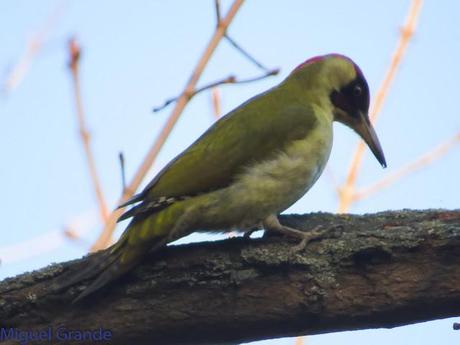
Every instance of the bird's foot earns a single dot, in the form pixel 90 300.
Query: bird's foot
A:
pixel 272 223
pixel 247 234
pixel 250 231
pixel 306 237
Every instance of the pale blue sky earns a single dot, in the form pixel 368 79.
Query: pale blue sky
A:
pixel 138 53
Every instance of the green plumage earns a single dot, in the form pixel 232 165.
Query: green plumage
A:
pixel 221 153
pixel 249 166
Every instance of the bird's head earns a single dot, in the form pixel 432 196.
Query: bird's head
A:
pixel 347 92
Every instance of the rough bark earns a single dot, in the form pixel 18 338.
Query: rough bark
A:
pixel 377 270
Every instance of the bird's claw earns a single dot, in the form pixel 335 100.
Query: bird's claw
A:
pixel 247 234
pixel 272 224
pixel 317 233
pixel 306 237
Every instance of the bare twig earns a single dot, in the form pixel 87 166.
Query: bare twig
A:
pixel 34 45
pixel 245 53
pixel 121 157
pixel 269 73
pixel 419 163
pixel 299 341
pixel 218 16
pixel 216 103
pixel 347 190
pixel 75 53
pixel 73 235
pixel 228 80
pixel 106 234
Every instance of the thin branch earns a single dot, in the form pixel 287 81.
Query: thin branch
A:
pixel 75 54
pixel 33 47
pixel 121 158
pixel 218 15
pixel 106 234
pixel 419 163
pixel 347 190
pixel 216 103
pixel 245 53
pixel 299 341
pixel 269 73
pixel 74 236
pixel 228 80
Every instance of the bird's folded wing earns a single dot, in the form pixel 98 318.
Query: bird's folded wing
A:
pixel 256 131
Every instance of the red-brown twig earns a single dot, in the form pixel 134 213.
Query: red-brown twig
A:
pixel 74 236
pixel 75 54
pixel 299 341
pixel 106 234
pixel 348 188
pixel 419 163
pixel 216 103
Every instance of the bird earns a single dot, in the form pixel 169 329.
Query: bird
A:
pixel 247 168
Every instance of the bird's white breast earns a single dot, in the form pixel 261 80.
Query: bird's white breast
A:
pixel 271 186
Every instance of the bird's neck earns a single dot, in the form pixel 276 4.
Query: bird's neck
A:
pixel 310 94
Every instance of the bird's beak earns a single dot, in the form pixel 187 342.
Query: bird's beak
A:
pixel 366 131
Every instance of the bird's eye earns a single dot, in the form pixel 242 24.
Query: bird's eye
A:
pixel 357 91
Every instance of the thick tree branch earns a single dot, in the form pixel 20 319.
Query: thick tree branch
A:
pixel 380 270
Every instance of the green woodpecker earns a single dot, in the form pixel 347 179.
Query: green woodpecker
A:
pixel 247 168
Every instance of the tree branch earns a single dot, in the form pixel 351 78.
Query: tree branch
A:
pixel 380 270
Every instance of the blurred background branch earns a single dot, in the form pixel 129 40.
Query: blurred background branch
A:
pixel 347 190
pixel 33 48
pixel 75 55
pixel 423 161
pixel 216 103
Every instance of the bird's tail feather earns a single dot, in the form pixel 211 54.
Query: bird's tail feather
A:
pixel 109 270
pixel 94 264
pixel 108 265
pixel 143 235
pixel 121 259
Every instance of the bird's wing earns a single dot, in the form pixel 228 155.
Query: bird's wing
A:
pixel 253 132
